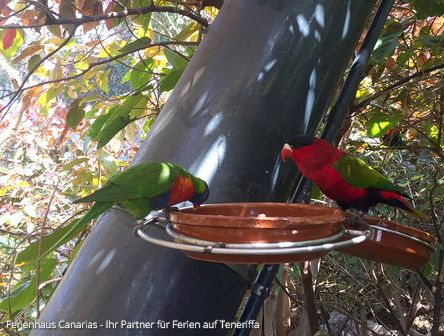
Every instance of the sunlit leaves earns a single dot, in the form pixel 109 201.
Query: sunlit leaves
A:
pixel 380 122
pixel 431 130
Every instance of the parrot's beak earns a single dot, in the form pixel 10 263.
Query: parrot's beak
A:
pixel 286 152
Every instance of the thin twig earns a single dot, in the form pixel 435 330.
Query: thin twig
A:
pixel 37 268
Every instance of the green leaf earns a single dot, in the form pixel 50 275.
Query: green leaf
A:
pixel 187 31
pixel 109 162
pixel 143 20
pixel 75 114
pixel 425 8
pixel 178 62
pixel 139 107
pixel 429 41
pixel 24 293
pixel 118 120
pixel 431 130
pixel 52 92
pixel 96 126
pixel 169 81
pixel 141 74
pixel 103 81
pixel 33 61
pixel 385 46
pixel 139 44
pixel 404 57
pixel 380 123
pixel 315 192
pixel 427 269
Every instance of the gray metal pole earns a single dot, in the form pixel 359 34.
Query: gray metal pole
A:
pixel 267 69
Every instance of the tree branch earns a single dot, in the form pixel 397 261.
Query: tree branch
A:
pixel 115 15
pixel 94 64
pixel 365 102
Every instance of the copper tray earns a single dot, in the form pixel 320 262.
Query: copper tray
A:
pixel 257 223
pixel 395 244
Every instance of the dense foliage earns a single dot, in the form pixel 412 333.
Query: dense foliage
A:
pixel 83 81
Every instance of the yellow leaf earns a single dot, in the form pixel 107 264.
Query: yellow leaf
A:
pixel 29 51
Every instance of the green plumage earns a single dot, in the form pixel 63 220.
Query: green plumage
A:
pixel 358 174
pixel 142 181
pixel 135 189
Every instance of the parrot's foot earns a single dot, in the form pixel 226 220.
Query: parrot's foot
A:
pixel 355 218
pixel 167 211
pixel 140 224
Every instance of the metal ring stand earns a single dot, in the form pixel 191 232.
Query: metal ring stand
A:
pixel 189 244
pixel 404 235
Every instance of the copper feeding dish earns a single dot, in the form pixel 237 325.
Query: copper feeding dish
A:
pixel 393 243
pixel 257 223
pixel 266 233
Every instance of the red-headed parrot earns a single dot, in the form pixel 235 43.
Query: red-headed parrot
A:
pixel 342 177
pixel 139 189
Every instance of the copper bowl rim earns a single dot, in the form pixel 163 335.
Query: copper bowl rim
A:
pixel 190 216
pixel 408 230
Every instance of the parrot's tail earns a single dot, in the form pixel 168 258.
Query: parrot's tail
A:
pixel 64 234
pixel 396 200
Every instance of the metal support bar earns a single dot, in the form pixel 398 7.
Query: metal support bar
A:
pixel 258 293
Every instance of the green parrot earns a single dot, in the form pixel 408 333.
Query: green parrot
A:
pixel 139 189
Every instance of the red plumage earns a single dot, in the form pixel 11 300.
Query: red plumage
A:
pixel 324 165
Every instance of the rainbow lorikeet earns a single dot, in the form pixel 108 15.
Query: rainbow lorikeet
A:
pixel 139 189
pixel 342 177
